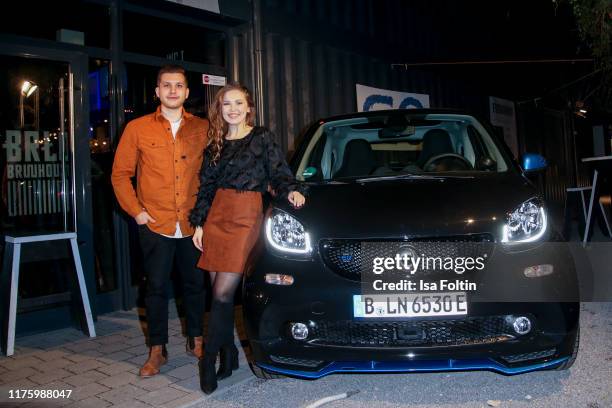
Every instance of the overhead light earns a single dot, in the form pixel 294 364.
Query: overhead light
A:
pixel 28 88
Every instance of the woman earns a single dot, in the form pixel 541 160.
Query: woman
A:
pixel 240 163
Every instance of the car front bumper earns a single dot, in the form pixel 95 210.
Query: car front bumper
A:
pixel 410 367
pixel 319 296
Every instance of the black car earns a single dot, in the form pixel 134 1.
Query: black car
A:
pixel 422 246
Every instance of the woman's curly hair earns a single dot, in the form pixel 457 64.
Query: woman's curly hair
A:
pixel 218 126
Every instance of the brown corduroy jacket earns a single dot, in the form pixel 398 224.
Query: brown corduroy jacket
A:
pixel 166 169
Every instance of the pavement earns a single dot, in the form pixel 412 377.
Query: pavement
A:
pixel 588 384
pixel 103 371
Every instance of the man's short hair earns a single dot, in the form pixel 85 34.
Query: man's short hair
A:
pixel 171 69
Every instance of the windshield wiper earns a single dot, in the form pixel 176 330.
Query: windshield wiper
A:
pixel 327 182
pixel 409 176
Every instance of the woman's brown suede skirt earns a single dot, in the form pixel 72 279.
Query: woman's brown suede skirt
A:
pixel 231 230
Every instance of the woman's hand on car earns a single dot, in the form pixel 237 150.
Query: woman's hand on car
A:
pixel 296 199
pixel 197 238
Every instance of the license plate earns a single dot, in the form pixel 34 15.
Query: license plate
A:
pixel 411 305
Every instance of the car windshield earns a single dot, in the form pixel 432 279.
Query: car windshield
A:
pixel 397 145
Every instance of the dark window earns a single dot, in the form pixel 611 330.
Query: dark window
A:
pixel 43 19
pixel 172 40
pixel 102 195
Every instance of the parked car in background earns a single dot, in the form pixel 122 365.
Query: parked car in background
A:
pixel 329 289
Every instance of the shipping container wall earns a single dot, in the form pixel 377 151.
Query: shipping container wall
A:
pixel 241 55
pixel 305 81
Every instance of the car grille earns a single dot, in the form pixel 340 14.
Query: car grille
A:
pixel 296 361
pixel 477 330
pixel 349 257
pixel 536 355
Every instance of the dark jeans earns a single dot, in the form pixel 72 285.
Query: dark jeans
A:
pixel 160 254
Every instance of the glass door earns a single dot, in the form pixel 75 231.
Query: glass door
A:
pixel 35 133
pixel 40 130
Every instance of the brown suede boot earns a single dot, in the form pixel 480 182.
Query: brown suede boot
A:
pixel 158 356
pixel 194 346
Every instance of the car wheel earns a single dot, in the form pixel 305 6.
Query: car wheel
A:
pixel 264 374
pixel 569 362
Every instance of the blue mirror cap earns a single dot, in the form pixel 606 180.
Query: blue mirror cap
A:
pixel 533 162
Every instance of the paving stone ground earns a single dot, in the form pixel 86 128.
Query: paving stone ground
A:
pixel 103 371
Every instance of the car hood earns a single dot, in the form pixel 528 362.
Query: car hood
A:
pixel 408 208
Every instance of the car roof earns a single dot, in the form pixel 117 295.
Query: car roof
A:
pixel 392 111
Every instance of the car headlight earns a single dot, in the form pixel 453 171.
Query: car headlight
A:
pixel 287 234
pixel 527 223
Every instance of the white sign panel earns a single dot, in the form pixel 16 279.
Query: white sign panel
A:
pixel 370 99
pixel 502 114
pixel 208 79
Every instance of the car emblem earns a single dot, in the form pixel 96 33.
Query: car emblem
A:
pixel 346 258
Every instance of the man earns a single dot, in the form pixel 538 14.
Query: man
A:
pixel 164 149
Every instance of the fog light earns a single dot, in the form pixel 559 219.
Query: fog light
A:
pixel 279 279
pixel 537 271
pixel 299 331
pixel 522 325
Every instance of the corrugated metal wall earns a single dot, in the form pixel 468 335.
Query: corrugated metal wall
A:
pixel 305 81
pixel 241 58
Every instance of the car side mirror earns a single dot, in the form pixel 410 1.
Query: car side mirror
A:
pixel 533 162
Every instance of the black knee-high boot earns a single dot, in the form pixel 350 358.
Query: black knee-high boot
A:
pixel 218 324
pixel 228 355
pixel 208 378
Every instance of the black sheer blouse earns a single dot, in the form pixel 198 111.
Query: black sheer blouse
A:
pixel 248 164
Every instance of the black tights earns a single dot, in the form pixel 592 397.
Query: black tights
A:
pixel 224 285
